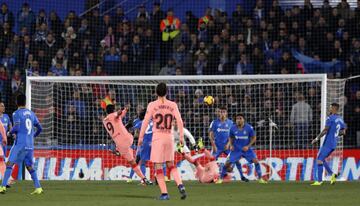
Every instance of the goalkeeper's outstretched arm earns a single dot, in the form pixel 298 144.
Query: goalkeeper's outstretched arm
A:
pixel 189 136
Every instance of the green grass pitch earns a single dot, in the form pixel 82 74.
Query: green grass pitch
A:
pixel 88 193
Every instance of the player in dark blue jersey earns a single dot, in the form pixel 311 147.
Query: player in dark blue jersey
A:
pixel 23 148
pixel 334 127
pixel 142 153
pixel 242 138
pixel 219 137
pixel 219 133
pixel 145 149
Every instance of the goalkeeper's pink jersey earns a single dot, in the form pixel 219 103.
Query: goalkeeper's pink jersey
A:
pixel 162 113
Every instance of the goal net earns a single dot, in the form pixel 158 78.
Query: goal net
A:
pixel 287 111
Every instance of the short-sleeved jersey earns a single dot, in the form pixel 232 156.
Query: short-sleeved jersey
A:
pixel 221 131
pixel 26 119
pixel 148 131
pixel 162 112
pixel 116 129
pixel 241 137
pixel 335 123
pixel 5 120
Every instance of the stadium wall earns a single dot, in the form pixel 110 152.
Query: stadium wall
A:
pixel 103 165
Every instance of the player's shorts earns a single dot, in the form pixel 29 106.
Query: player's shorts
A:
pixel 324 153
pixel 145 151
pixel 125 149
pixel 249 155
pixel 123 141
pixel 126 152
pixel 162 150
pixel 235 156
pixel 220 150
pixel 18 154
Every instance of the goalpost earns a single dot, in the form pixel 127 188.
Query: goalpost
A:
pixel 73 139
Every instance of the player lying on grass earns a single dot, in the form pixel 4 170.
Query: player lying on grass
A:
pixel 23 148
pixel 207 173
pixel 242 138
pixel 334 127
pixel 122 138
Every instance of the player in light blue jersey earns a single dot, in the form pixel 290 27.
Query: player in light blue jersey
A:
pixel 242 138
pixel 334 127
pixel 219 137
pixel 23 148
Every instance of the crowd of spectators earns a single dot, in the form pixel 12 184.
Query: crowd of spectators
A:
pixel 261 41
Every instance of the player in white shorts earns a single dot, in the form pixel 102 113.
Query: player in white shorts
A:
pixel 187 135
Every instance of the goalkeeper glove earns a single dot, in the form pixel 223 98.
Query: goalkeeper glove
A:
pixel 180 148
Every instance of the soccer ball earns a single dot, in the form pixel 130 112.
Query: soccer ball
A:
pixel 209 100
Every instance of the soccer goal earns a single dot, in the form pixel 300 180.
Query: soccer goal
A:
pixel 287 111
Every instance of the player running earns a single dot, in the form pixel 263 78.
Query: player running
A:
pixel 242 138
pixel 162 112
pixel 208 173
pixel 122 138
pixel 219 137
pixel 334 127
pixel 23 148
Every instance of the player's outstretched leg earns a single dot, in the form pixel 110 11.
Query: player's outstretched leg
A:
pixel 174 172
pixel 189 158
pixel 239 167
pixel 137 170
